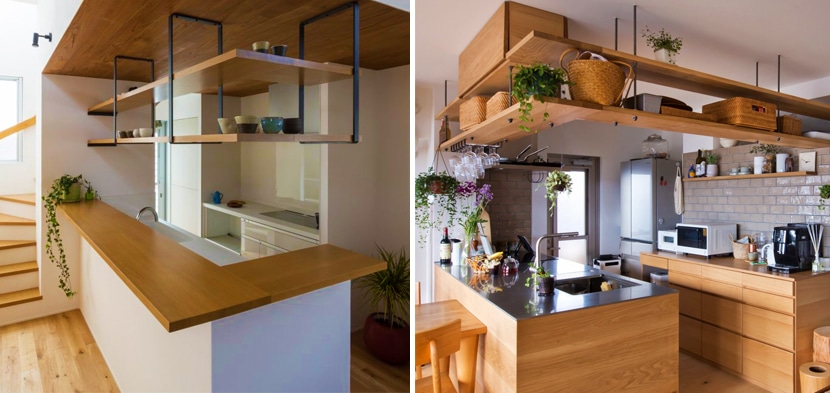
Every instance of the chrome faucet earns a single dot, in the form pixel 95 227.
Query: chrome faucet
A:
pixel 537 260
pixel 143 209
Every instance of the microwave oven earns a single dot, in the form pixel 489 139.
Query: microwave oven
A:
pixel 706 239
pixel 667 240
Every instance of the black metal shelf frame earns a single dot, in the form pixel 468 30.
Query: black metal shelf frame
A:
pixel 114 113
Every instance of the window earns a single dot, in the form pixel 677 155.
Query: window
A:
pixel 577 211
pixel 10 97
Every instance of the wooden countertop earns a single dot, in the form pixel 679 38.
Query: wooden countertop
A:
pixel 286 275
pixel 183 289
pixel 738 265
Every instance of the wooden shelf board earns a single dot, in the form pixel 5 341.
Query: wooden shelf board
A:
pixel 547 48
pixel 499 128
pixel 451 110
pixel 738 177
pixel 232 138
pixel 126 141
pixel 229 242
pixel 241 73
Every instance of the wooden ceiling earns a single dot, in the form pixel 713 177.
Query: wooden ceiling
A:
pixel 103 29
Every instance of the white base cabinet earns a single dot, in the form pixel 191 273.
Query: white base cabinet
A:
pixel 261 240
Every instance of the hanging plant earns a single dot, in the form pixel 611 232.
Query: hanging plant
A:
pixel 439 189
pixel 65 189
pixel 557 182
pixel 538 80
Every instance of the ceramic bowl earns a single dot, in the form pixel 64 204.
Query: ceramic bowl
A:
pixel 227 125
pixel 292 125
pixel 271 125
pixel 279 50
pixel 728 142
pixel 125 134
pixel 261 46
pixel 247 128
pixel 145 132
pixel 246 119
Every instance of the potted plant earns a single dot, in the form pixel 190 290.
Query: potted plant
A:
pixel 543 279
pixel 473 200
pixel 768 151
pixel 90 193
pixel 438 189
pixel 538 80
pixel 386 333
pixel 824 193
pixel 557 182
pixel 665 46
pixel 712 164
pixel 64 189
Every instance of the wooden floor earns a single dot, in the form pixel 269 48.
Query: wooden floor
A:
pixel 52 354
pixel 700 377
pixel 372 375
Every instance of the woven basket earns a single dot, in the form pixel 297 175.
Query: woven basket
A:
pixel 789 125
pixel 597 81
pixel 744 112
pixel 740 250
pixel 472 112
pixel 499 102
pixel 667 110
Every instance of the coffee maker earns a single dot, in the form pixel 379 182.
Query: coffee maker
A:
pixel 792 248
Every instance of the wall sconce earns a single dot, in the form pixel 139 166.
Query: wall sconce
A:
pixel 35 37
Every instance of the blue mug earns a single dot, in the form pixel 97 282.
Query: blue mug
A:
pixel 217 197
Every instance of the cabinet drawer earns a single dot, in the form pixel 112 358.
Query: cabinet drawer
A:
pixel 768 284
pixel 684 280
pixel 768 327
pixel 692 268
pixel 721 347
pixel 689 301
pixel 655 261
pixel 724 290
pixel 275 237
pixel 770 367
pixel 267 250
pixel 722 275
pixel 721 312
pixel 690 334
pixel 769 301
pixel 250 248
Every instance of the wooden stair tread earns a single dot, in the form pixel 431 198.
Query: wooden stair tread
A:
pixel 6 244
pixel 18 268
pixel 6 219
pixel 28 199
pixel 18 297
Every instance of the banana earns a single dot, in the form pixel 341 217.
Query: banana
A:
pixel 495 256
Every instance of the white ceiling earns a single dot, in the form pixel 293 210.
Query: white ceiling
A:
pixel 720 37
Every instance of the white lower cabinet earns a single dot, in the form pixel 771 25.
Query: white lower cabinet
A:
pixel 261 241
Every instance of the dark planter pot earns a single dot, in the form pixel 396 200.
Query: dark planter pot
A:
pixel 436 187
pixel 546 286
pixel 390 345
pixel 73 194
pixel 559 187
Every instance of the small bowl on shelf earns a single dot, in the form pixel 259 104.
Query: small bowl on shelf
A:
pixel 271 125
pixel 279 50
pixel 227 125
pixel 145 132
pixel 247 124
pixel 261 46
pixel 292 125
pixel 125 134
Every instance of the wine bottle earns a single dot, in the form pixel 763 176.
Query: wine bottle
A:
pixel 700 160
pixel 445 248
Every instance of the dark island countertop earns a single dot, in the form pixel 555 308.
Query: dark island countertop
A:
pixel 509 293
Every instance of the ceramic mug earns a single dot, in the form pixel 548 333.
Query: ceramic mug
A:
pixel 217 197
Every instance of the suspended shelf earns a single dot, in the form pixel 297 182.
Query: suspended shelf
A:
pixel 759 176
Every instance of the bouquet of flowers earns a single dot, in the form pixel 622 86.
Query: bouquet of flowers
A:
pixel 474 200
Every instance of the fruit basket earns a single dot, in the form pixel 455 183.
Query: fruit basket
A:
pixel 483 264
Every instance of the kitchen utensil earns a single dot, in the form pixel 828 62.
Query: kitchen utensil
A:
pixel 227 125
pixel 261 46
pixel 279 50
pixel 532 153
pixel 292 125
pixel 145 132
pixel 271 125
pixel 217 197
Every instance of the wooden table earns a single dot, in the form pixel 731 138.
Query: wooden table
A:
pixel 431 315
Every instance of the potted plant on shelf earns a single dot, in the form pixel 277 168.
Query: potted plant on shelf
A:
pixel 712 164
pixel 824 193
pixel 557 182
pixel 474 200
pixel 434 189
pixel 768 151
pixel 665 46
pixel 538 80
pixel 386 333
pixel 65 189
pixel 543 279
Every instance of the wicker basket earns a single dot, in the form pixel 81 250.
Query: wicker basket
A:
pixel 597 81
pixel 667 110
pixel 789 125
pixel 498 102
pixel 744 112
pixel 472 112
pixel 740 250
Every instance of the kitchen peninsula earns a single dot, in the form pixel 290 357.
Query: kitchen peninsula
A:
pixel 626 338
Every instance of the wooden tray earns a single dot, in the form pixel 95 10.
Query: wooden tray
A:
pixel 667 110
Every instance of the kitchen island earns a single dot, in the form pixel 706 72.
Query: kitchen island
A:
pixel 625 339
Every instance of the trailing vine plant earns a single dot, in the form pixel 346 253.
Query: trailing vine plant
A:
pixel 59 193
pixel 538 80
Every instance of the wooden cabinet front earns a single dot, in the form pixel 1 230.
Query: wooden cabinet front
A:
pixel 690 334
pixel 768 366
pixel 689 301
pixel 721 312
pixel 768 326
pixel 654 261
pixel 722 347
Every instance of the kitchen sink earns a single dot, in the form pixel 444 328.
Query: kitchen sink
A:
pixel 294 218
pixel 590 284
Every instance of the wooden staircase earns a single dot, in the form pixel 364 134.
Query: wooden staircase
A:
pixel 18 250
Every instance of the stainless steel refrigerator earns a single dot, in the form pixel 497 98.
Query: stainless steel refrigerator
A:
pixel 647 206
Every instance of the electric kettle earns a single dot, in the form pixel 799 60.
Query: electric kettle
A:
pixel 768 254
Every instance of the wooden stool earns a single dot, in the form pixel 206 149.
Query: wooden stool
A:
pixel 435 346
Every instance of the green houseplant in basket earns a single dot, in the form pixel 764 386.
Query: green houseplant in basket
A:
pixel 435 189
pixel 65 189
pixel 556 183
pixel 539 80
pixel 386 333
